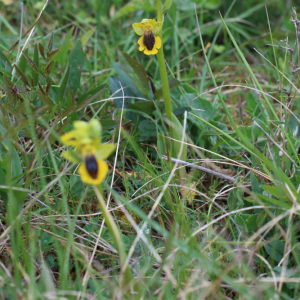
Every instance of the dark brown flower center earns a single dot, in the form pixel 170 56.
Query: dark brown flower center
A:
pixel 149 40
pixel 91 165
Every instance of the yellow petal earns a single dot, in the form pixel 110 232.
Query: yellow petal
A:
pixel 156 27
pixel 144 21
pixel 84 133
pixel 149 52
pixel 88 149
pixel 138 28
pixel 105 150
pixel 157 42
pixel 101 173
pixel 141 43
pixel 94 128
pixel 154 51
pixel 71 156
pixel 70 139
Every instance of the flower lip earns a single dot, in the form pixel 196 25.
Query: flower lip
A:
pixel 91 166
pixel 149 40
pixel 98 177
pixel 150 51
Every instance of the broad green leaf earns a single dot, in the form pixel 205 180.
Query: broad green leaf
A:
pixel 137 73
pixel 235 199
pixel 246 222
pixel 275 191
pixel 146 129
pixel 173 83
pixel 146 107
pixel 180 110
pixel 76 62
pixel 275 249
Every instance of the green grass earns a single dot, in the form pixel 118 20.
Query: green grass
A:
pixel 186 233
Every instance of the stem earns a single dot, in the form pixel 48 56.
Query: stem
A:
pixel 114 231
pixel 163 71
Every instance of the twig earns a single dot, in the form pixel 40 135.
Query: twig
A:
pixel 206 170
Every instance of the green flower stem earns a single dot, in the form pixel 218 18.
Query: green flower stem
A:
pixel 163 71
pixel 115 233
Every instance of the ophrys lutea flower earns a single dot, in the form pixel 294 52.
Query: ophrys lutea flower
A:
pixel 149 43
pixel 88 151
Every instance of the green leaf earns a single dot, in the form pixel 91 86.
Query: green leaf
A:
pixel 42 51
pixel 85 38
pixel 76 62
pixel 275 191
pixel 49 67
pixel 5 62
pixel 146 107
pixel 51 54
pixel 146 129
pixel 137 73
pixel 30 61
pixel 62 56
pixel 45 99
pixel 9 87
pixel 161 144
pixel 269 201
pixel 23 64
pixel 134 5
pixel 35 71
pixel 173 83
pixel 48 87
pixel 50 44
pixel 12 165
pixel 235 199
pixel 22 75
pixel 246 222
pixel 167 5
pixel 177 134
pixel 16 167
pixel 275 249
pixel 63 87
pixel 212 4
pixel 180 110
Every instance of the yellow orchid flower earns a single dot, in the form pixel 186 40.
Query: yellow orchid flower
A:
pixel 84 133
pixel 89 152
pixel 148 42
